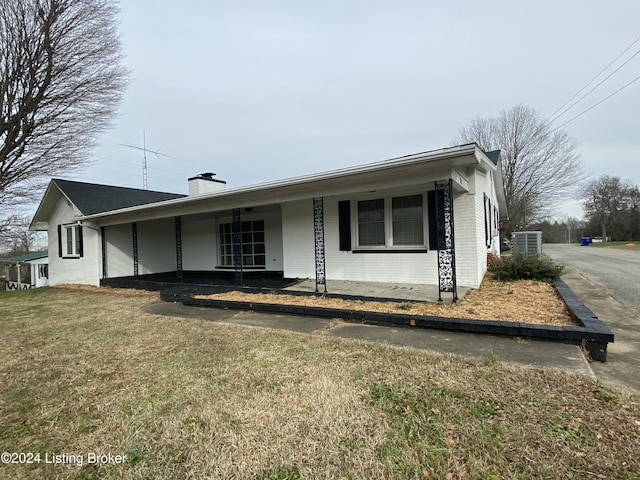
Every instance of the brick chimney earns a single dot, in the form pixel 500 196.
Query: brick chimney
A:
pixel 205 183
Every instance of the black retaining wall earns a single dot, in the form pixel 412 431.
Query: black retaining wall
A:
pixel 593 334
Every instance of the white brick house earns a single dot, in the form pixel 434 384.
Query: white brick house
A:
pixel 389 221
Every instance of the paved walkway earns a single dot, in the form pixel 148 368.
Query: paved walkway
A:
pixel 620 370
pixel 538 354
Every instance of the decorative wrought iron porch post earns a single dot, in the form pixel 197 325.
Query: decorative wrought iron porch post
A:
pixel 446 239
pixel 318 234
pixel 103 241
pixel 236 234
pixel 134 237
pixel 178 220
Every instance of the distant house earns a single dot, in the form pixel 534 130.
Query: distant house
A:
pixel 30 270
pixel 427 218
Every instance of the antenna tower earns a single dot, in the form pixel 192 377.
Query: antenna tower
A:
pixel 145 164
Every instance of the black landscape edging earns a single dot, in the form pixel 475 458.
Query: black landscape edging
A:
pixel 593 335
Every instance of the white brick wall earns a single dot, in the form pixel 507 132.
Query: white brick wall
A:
pixel 383 267
pixel 199 243
pixel 119 250
pixel 297 239
pixel 85 270
pixel 156 246
pixel 289 244
pixel 471 250
pixel 467 239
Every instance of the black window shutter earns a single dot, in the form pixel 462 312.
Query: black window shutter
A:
pixel 344 225
pixel 60 240
pixel 80 241
pixel 433 220
pixel 486 221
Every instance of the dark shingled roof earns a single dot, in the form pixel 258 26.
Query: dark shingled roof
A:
pixel 92 198
pixel 494 156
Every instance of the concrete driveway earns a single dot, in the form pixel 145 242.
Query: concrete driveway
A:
pixel 608 282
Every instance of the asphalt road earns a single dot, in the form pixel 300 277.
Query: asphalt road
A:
pixel 607 280
pixel 615 269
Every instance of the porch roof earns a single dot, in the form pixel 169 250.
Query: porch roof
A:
pixel 27 257
pixel 396 172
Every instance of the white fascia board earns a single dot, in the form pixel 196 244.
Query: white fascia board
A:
pixel 461 181
pixel 334 182
pixel 46 207
pixel 485 162
pixel 40 221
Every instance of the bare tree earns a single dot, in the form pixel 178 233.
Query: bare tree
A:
pixel 540 165
pixel 17 239
pixel 606 199
pixel 61 81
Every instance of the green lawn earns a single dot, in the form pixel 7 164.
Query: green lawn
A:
pixel 89 372
pixel 622 245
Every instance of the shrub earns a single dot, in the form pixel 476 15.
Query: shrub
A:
pixel 519 267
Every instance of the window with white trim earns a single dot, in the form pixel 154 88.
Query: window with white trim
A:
pixel 391 222
pixel 43 270
pixel 252 247
pixel 71 241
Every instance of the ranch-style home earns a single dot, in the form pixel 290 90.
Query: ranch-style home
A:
pixel 427 218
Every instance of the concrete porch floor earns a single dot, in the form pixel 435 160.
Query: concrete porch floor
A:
pixel 400 291
pixel 275 281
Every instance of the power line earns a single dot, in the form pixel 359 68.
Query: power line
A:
pixel 604 80
pixel 595 105
pixel 593 80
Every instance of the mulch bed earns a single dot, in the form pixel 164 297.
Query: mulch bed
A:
pixel 525 301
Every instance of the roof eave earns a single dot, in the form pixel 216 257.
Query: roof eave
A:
pixel 442 154
pixel 39 221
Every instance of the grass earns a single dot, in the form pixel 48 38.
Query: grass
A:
pixel 620 245
pixel 87 371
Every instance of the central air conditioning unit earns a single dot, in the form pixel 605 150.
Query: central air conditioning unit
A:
pixel 527 243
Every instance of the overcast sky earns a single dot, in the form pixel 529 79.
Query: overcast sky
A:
pixel 265 90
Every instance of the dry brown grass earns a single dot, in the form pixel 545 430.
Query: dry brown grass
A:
pixel 524 301
pixel 88 371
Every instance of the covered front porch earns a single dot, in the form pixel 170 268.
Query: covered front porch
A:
pixel 269 245
pixel 194 248
pixel 221 281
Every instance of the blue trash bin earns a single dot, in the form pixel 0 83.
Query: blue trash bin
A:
pixel 586 241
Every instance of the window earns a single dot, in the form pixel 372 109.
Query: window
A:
pixel 43 270
pixel 252 244
pixel 391 222
pixel 371 230
pixel 407 216
pixel 70 243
